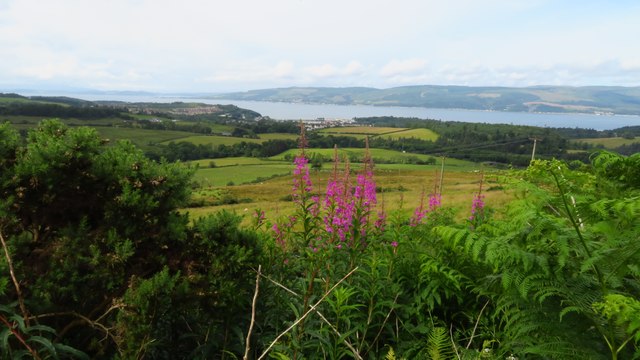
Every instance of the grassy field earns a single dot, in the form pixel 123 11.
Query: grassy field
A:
pixel 27 122
pixel 362 130
pixel 216 140
pixel 141 137
pixel 378 155
pixel 610 143
pixel 422 134
pixel 266 183
pixel 235 161
pixel 400 188
pixel 8 100
pixel 240 174
pixel 278 136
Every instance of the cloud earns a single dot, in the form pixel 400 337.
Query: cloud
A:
pixel 329 70
pixel 252 72
pixel 403 67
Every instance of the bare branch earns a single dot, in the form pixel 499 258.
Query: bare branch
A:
pixel 23 308
pixel 473 333
pixel 312 308
pixel 253 315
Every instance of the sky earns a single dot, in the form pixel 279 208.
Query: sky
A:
pixel 236 45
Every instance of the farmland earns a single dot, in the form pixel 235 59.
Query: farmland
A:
pixel 265 184
pixel 215 140
pixel 421 134
pixel 610 142
pixel 382 132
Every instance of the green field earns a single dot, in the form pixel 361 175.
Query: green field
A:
pixel 400 186
pixel 7 100
pixel 241 170
pixel 422 134
pixel 241 174
pixel 141 137
pixel 235 161
pixel 610 143
pixel 278 136
pixel 363 130
pixel 382 155
pixel 216 140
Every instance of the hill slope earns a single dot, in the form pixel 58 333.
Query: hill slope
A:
pixel 591 99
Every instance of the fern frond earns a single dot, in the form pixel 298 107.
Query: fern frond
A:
pixel 391 355
pixel 439 345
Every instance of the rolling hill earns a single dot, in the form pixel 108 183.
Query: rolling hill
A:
pixel 556 99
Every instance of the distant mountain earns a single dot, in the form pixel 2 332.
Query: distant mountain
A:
pixel 588 99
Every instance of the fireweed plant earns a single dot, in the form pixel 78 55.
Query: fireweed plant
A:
pixel 333 233
pixel 477 206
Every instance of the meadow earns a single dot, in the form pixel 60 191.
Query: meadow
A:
pixel 611 142
pixel 422 134
pixel 361 130
pixel 393 133
pixel 379 155
pixel 141 137
pixel 265 185
pixel 216 140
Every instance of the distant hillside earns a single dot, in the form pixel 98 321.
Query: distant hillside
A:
pixel 590 99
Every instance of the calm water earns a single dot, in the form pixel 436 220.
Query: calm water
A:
pixel 289 111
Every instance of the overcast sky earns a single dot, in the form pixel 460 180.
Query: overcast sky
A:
pixel 229 45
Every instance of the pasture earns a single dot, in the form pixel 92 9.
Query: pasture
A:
pixel 239 174
pixel 216 140
pixel 609 143
pixel 357 154
pixel 421 134
pixel 141 137
pixel 360 130
pixel 399 186
pixel 234 161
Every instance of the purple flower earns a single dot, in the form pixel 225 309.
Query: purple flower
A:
pixel 419 213
pixel 435 200
pixel 301 179
pixel 280 241
pixel 477 207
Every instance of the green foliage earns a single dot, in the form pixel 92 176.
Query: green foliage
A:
pixel 19 339
pixel 624 311
pixel 108 265
pixel 565 246
pixel 99 245
pixel 151 323
pixel 439 347
pixel 391 355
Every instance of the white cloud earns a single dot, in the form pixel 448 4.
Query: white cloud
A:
pixel 403 67
pixel 252 72
pixel 329 70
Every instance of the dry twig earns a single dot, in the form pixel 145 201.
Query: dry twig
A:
pixel 253 315
pixel 312 308
pixel 23 308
